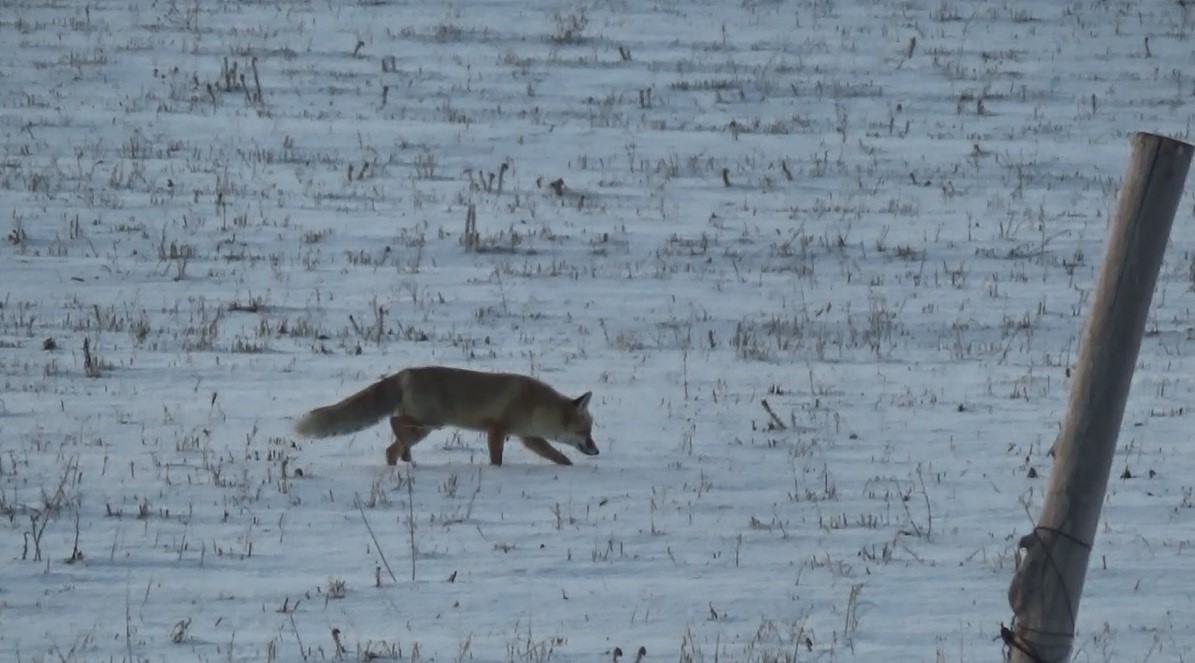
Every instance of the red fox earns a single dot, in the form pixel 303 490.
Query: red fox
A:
pixel 420 400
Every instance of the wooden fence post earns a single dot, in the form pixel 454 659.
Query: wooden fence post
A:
pixel 1052 560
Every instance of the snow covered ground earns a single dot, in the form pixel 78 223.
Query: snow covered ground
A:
pixel 823 264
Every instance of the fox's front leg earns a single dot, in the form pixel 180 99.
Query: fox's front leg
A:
pixel 540 447
pixel 496 438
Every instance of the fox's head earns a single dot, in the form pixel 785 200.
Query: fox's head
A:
pixel 578 426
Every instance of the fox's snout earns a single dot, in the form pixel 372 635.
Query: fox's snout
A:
pixel 589 448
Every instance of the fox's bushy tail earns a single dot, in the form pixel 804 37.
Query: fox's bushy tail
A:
pixel 357 412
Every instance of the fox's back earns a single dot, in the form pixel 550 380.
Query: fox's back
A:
pixel 447 396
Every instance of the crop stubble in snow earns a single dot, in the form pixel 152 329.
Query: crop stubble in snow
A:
pixel 884 221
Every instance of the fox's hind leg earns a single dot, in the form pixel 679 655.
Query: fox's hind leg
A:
pixel 407 432
pixel 540 447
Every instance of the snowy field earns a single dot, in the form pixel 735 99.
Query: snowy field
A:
pixel 823 264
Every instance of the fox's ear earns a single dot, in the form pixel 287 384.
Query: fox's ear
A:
pixel 583 402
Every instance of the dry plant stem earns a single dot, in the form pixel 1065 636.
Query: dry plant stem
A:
pixel 377 545
pixel 777 421
pixel 411 521
pixel 298 639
